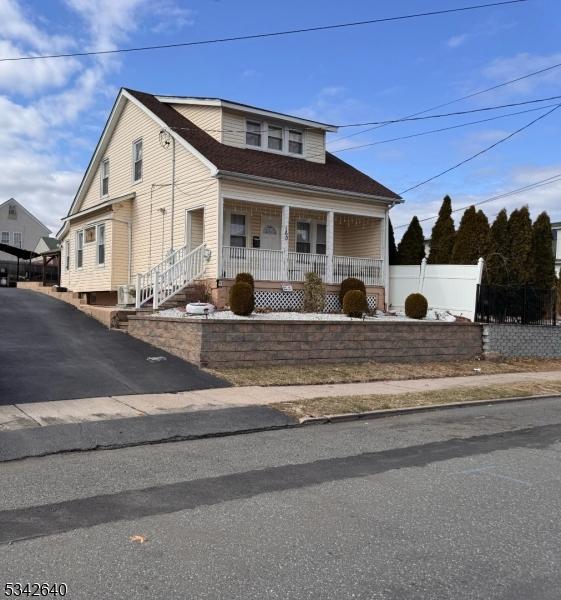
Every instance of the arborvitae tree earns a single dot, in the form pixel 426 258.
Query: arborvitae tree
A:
pixel 496 259
pixel 443 235
pixel 519 249
pixel 542 253
pixel 472 238
pixel 411 249
pixel 392 247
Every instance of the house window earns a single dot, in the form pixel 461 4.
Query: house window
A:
pixel 237 231
pixel 17 239
pixel 5 239
pixel 101 244
pixel 303 243
pixel 105 177
pixel 79 249
pixel 321 237
pixel 295 145
pixel 253 133
pixel 67 254
pixel 12 212
pixel 274 138
pixel 137 160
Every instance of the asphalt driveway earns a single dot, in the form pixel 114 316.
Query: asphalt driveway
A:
pixel 51 351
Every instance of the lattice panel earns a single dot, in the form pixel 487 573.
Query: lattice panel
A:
pixel 294 300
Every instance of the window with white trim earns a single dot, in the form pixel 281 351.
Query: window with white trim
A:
pixel 238 234
pixel 5 239
pixel 101 244
pixel 321 238
pixel 303 237
pixel 18 238
pixel 274 137
pixel 104 174
pixel 12 211
pixel 137 158
pixel 79 249
pixel 295 142
pixel 67 254
pixel 253 133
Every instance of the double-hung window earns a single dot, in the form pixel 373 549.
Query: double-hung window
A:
pixel 321 238
pixel 303 237
pixel 295 142
pixel 67 254
pixel 101 244
pixel 137 158
pixel 253 133
pixel 5 239
pixel 17 239
pixel 311 237
pixel 274 137
pixel 105 177
pixel 238 233
pixel 79 249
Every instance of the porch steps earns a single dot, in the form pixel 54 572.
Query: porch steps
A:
pixel 190 293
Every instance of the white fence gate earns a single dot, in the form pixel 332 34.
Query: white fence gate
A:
pixel 446 287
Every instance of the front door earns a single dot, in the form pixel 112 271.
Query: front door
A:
pixel 270 233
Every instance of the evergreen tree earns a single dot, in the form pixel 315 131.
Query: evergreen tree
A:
pixel 519 249
pixel 543 258
pixel 392 247
pixel 443 235
pixel 496 259
pixel 411 249
pixel 472 238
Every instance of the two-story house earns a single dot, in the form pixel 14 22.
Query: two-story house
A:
pixel 19 228
pixel 182 188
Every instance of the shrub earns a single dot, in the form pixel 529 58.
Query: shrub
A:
pixel 416 306
pixel 351 283
pixel 246 278
pixel 241 298
pixel 314 293
pixel 355 304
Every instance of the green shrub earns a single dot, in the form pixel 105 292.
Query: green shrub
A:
pixel 241 298
pixel 314 293
pixel 416 306
pixel 246 278
pixel 351 283
pixel 355 304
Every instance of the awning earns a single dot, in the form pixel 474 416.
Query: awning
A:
pixel 18 252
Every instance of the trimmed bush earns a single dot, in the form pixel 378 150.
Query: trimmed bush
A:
pixel 314 293
pixel 351 283
pixel 246 278
pixel 355 304
pixel 241 299
pixel 416 306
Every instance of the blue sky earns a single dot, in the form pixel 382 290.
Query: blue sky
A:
pixel 52 111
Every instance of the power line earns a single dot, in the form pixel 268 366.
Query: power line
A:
pixel 265 35
pixel 470 158
pixel 541 183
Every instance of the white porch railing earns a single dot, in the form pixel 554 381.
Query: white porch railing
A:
pixel 167 278
pixel 271 265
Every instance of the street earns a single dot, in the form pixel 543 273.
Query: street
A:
pixel 449 504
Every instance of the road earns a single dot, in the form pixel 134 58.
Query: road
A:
pixel 51 351
pixel 461 503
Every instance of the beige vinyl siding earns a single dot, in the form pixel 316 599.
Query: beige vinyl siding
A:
pixel 120 245
pixel 197 228
pixel 360 237
pixel 208 118
pixel 234 134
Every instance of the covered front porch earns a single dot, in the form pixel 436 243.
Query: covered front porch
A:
pixel 283 243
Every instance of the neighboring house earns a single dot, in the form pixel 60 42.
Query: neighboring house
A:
pixel 556 229
pixel 19 228
pixel 228 187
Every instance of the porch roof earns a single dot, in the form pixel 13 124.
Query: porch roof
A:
pixel 334 174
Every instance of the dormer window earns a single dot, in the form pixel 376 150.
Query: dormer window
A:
pixel 253 134
pixel 295 144
pixel 274 137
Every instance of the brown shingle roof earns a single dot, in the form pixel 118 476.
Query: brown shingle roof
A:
pixel 333 174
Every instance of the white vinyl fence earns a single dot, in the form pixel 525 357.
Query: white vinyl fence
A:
pixel 446 287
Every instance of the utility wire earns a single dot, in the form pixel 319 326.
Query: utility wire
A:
pixel 470 158
pixel 265 35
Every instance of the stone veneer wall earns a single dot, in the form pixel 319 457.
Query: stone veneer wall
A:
pixel 529 341
pixel 217 343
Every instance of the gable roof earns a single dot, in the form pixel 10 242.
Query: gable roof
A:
pixel 32 216
pixel 334 174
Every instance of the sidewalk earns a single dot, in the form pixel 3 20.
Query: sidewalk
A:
pixel 41 414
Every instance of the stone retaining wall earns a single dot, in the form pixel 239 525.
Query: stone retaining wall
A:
pixel 240 343
pixel 529 341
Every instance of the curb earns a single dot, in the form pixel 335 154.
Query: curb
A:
pixel 390 412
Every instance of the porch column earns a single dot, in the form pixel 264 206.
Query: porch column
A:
pixel 386 258
pixel 329 247
pixel 284 240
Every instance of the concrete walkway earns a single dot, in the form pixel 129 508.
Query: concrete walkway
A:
pixel 38 414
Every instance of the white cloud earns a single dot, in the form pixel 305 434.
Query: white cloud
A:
pixel 171 17
pixel 332 104
pixel 457 40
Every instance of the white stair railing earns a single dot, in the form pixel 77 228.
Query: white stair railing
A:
pixel 167 278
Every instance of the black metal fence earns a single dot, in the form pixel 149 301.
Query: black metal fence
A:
pixel 10 273
pixel 515 304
